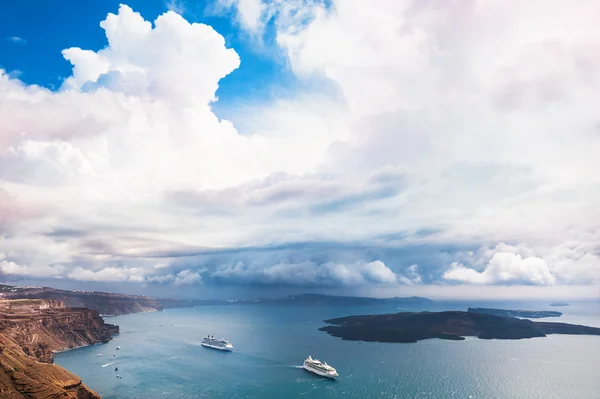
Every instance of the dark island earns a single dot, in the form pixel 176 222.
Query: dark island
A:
pixel 530 314
pixel 559 304
pixel 453 325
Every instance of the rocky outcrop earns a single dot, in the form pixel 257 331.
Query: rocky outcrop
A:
pixel 30 331
pixel 105 303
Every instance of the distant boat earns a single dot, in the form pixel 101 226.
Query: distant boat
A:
pixel 118 348
pixel 99 354
pixel 221 344
pixel 320 368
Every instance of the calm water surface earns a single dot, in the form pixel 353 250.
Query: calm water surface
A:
pixel 271 342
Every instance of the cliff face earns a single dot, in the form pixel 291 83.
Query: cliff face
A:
pixel 21 376
pixel 30 330
pixel 41 327
pixel 105 303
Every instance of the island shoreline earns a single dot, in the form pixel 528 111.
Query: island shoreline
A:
pixel 412 327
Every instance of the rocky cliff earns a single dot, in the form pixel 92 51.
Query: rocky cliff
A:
pixel 105 303
pixel 30 331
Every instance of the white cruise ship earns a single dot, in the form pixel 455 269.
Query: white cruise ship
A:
pixel 221 344
pixel 323 369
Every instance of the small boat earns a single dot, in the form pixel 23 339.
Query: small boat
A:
pixel 118 348
pixel 99 354
pixel 221 344
pixel 320 368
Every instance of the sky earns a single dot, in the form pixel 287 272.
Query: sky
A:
pixel 239 148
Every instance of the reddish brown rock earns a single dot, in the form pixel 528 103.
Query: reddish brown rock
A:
pixel 30 331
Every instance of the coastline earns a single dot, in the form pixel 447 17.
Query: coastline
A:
pixel 124 314
pixel 78 347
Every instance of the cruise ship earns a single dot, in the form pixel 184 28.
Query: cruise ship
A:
pixel 221 344
pixel 322 369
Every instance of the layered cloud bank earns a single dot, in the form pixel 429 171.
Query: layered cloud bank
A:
pixel 458 145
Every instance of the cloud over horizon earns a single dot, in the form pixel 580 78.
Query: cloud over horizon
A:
pixel 454 144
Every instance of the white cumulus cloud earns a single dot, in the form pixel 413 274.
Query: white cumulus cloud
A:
pixel 108 274
pixel 14 269
pixel 474 121
pixel 504 268
pixel 187 277
pixel 307 273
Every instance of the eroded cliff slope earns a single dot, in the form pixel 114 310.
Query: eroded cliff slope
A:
pixel 30 330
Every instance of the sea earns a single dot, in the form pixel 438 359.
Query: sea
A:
pixel 161 357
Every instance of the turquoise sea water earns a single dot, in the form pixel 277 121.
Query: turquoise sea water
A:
pixel 271 342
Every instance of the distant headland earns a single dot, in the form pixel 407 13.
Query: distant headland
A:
pixel 111 304
pixel 559 304
pixel 529 314
pixel 322 299
pixel 302 300
pixel 452 325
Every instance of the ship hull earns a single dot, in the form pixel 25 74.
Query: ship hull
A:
pixel 221 348
pixel 319 372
